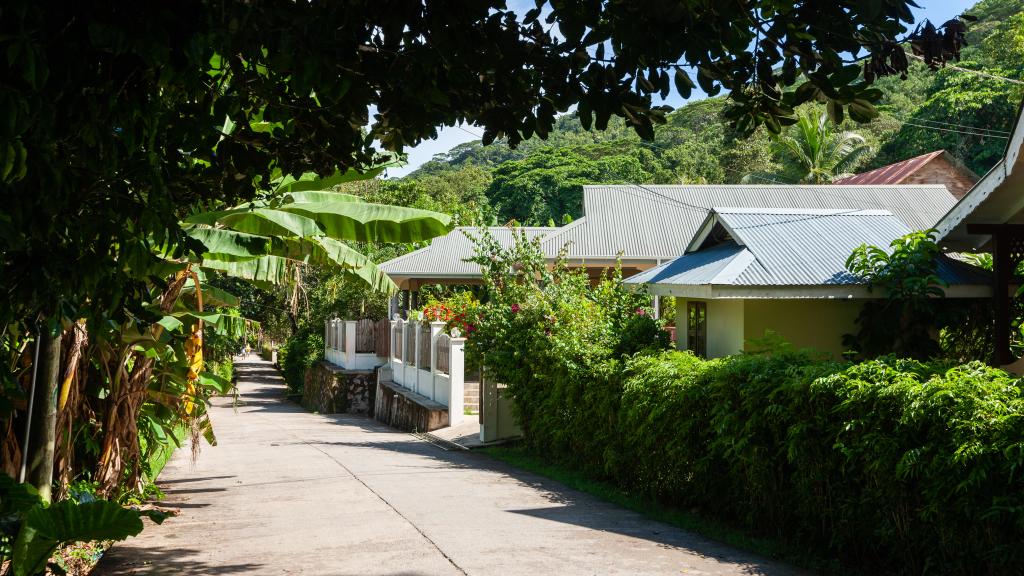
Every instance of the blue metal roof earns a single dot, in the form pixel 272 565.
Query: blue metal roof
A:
pixel 753 247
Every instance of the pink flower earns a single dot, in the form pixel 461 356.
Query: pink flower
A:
pixel 515 308
pixel 641 312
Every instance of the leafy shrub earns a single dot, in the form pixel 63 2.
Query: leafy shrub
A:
pixel 558 342
pixel 894 465
pixel 297 355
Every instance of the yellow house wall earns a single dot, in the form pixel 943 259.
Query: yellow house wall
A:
pixel 724 330
pixel 818 324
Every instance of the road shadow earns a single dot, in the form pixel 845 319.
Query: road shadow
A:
pixel 263 390
pixel 164 561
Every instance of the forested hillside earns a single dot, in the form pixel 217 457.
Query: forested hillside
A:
pixel 541 181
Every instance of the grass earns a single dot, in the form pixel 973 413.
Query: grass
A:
pixel 518 456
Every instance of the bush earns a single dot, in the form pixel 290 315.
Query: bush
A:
pixel 297 355
pixel 893 465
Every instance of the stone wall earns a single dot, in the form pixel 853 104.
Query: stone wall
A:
pixel 405 410
pixel 329 389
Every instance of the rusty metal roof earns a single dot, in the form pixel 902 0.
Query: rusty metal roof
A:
pixel 893 173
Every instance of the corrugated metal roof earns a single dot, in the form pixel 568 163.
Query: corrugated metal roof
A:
pixel 788 247
pixel 893 173
pixel 657 222
pixel 446 255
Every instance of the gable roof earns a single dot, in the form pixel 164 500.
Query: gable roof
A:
pixel 445 256
pixel 656 222
pixel 791 248
pixel 893 173
pixel 996 199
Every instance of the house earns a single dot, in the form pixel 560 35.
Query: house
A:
pixel 444 261
pixel 647 225
pixel 749 270
pixel 939 167
pixel 990 218
pixel 644 226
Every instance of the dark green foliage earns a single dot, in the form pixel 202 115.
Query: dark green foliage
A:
pixel 892 466
pixel 913 318
pixel 297 355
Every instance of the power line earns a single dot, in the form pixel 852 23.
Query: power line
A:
pixel 1007 132
pixel 975 72
pixel 905 123
pixel 459 126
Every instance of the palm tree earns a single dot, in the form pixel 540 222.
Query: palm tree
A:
pixel 817 153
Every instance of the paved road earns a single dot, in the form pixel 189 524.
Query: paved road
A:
pixel 288 492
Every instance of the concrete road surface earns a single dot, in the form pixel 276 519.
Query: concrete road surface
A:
pixel 289 492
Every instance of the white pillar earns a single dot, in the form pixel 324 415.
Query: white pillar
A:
pixel 457 377
pixel 350 344
pixel 391 335
pixel 435 331
pixel 407 356
pixel 416 335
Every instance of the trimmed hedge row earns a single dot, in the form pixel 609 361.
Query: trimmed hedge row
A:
pixel 892 465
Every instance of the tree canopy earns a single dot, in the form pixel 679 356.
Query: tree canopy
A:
pixel 121 117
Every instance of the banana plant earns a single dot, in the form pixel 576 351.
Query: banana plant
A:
pixel 304 222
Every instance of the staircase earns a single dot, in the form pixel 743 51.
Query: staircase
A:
pixel 472 397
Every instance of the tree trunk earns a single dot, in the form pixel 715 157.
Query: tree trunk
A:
pixel 43 432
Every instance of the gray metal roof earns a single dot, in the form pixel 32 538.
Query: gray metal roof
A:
pixel 656 222
pixel 446 255
pixel 786 247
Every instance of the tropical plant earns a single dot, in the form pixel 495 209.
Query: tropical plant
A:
pixel 302 223
pixel 815 152
pixel 31 530
pixel 911 318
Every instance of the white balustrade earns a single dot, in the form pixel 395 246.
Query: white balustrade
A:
pixel 416 373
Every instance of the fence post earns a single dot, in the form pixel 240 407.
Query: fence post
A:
pixel 392 324
pixel 405 354
pixel 457 380
pixel 416 335
pixel 435 330
pixel 327 336
pixel 349 344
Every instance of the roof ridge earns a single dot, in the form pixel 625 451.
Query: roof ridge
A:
pixel 799 211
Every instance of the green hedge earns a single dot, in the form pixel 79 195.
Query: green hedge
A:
pixel 891 465
pixel 297 355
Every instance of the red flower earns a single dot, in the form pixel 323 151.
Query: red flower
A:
pixel 641 312
pixel 515 308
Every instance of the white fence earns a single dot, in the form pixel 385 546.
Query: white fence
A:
pixel 428 362
pixel 352 344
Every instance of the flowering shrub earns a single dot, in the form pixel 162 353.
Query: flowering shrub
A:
pixel 459 311
pixel 437 311
pixel 546 332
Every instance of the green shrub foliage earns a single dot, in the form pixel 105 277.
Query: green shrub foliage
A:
pixel 895 466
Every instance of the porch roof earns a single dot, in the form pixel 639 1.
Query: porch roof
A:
pixel 445 257
pixel 789 253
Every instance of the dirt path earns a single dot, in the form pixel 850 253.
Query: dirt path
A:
pixel 288 492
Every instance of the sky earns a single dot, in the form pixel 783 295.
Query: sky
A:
pixel 938 11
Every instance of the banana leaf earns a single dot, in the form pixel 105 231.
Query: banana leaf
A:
pixel 365 222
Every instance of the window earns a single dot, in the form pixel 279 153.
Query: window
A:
pixel 697 328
